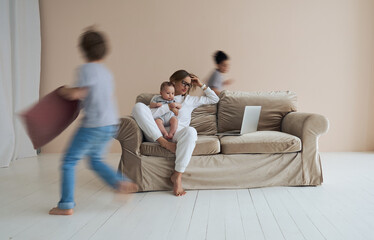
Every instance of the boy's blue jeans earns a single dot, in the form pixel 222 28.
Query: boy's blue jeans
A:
pixel 90 142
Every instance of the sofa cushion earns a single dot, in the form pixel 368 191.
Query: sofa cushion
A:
pixel 145 98
pixel 275 105
pixel 205 145
pixel 261 142
pixel 203 118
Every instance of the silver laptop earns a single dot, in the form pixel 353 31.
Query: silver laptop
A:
pixel 249 124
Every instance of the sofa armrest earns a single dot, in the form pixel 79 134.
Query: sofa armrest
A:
pixel 308 127
pixel 305 125
pixel 129 135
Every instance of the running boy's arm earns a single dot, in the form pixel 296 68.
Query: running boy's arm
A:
pixel 76 93
pixel 228 82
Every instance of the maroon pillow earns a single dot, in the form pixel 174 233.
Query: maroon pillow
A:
pixel 49 117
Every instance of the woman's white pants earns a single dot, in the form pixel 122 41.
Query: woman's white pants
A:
pixel 185 137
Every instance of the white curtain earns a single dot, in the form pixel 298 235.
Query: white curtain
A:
pixel 20 50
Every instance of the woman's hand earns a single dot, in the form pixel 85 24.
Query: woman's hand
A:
pixel 178 105
pixel 175 105
pixel 175 111
pixel 195 80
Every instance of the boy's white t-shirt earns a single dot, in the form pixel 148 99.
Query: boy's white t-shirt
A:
pixel 99 105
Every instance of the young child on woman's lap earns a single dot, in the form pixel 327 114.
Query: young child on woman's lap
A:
pixel 168 119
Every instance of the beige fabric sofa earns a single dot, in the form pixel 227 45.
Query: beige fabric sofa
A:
pixel 283 152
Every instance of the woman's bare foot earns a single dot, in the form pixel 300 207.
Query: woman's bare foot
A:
pixel 176 179
pixel 58 211
pixel 171 146
pixel 127 187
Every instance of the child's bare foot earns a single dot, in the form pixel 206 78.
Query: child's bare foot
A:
pixel 176 179
pixel 127 187
pixel 58 211
pixel 164 133
pixel 171 146
pixel 171 135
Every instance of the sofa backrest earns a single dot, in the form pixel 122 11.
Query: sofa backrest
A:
pixel 145 98
pixel 203 119
pixel 275 105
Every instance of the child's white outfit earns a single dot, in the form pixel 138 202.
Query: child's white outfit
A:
pixel 165 117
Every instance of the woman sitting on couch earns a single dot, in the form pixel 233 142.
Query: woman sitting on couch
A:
pixel 184 140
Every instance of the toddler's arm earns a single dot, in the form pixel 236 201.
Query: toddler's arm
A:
pixel 155 105
pixel 178 105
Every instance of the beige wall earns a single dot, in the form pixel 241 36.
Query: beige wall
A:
pixel 323 50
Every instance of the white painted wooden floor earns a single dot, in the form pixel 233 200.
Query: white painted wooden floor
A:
pixel 342 208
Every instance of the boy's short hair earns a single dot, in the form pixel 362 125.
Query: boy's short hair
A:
pixel 166 84
pixel 220 56
pixel 93 45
